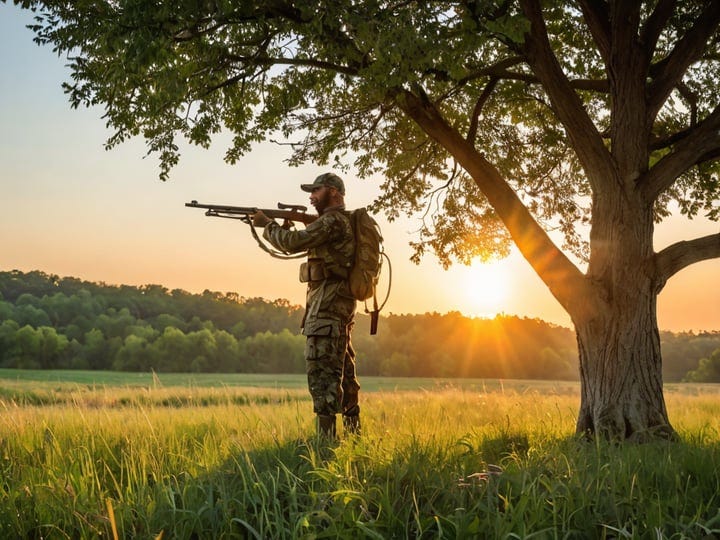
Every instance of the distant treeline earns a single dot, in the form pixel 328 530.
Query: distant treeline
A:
pixel 49 322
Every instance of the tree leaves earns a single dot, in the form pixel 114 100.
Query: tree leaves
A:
pixel 327 77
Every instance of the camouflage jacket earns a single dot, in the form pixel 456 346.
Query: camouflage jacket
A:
pixel 330 242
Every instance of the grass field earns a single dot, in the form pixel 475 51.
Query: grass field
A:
pixel 98 454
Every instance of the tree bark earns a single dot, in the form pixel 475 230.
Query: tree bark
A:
pixel 621 374
pixel 619 345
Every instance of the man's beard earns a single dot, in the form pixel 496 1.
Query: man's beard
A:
pixel 323 202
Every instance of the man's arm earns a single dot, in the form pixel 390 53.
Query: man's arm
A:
pixel 324 229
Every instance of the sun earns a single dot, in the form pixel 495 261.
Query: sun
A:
pixel 486 289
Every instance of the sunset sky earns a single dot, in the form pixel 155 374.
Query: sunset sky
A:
pixel 73 209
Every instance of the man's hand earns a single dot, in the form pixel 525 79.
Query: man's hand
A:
pixel 259 219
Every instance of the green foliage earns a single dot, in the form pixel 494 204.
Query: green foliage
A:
pixel 451 345
pixel 84 325
pixel 327 72
pixel 329 75
pixel 683 352
pixel 65 323
pixel 708 369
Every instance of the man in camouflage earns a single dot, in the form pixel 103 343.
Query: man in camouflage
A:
pixel 330 307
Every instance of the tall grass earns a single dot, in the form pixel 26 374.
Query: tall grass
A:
pixel 442 461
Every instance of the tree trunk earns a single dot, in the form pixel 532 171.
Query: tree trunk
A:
pixel 621 376
pixel 619 344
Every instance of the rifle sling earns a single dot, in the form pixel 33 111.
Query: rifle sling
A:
pixel 273 252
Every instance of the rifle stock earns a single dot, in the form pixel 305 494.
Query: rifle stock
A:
pixel 288 212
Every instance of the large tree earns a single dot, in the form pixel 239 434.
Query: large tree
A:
pixel 504 120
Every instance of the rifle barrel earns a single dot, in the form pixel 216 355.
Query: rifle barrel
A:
pixel 224 208
pixel 288 212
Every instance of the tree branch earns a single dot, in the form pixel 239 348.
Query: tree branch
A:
pixel 595 14
pixel 498 70
pixel 711 155
pixel 560 275
pixel 280 61
pixel 501 71
pixel 668 73
pixel 695 147
pixel 479 104
pixel 692 100
pixel 655 24
pixel 586 140
pixel 677 256
pixel 627 69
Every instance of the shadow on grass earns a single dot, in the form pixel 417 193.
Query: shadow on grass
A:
pixel 302 489
pixel 272 492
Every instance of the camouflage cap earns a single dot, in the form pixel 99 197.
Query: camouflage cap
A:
pixel 327 179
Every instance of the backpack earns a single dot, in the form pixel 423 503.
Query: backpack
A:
pixel 365 270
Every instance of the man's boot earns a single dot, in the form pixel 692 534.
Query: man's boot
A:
pixel 351 424
pixel 326 427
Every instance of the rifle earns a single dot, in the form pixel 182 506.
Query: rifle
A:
pixel 287 212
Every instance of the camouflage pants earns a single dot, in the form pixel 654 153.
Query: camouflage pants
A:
pixel 332 380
